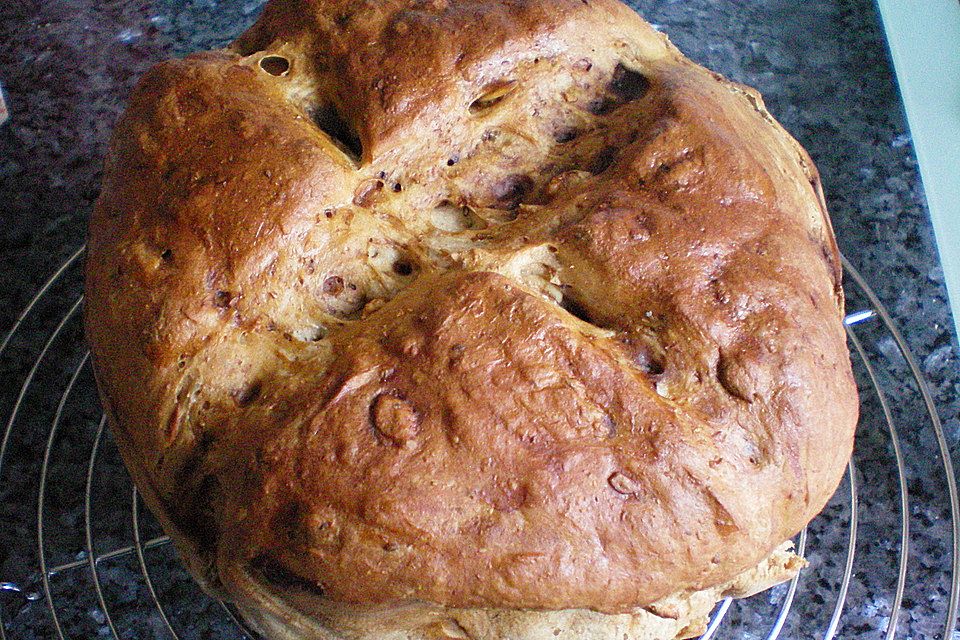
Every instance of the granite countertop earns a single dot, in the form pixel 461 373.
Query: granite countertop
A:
pixel 822 66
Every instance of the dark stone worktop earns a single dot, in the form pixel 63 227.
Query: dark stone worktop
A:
pixel 66 67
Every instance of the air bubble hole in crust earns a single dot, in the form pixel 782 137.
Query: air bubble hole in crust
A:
pixel 403 267
pixel 510 191
pixel 314 333
pixel 223 299
pixel 627 84
pixel 492 95
pixel 275 65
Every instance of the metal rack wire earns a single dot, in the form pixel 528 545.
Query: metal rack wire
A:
pixel 78 560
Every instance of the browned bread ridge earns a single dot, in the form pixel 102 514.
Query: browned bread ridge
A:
pixel 409 311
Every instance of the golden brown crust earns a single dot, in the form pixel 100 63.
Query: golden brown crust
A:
pixel 285 614
pixel 570 315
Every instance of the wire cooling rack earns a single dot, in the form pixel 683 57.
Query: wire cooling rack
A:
pixel 81 558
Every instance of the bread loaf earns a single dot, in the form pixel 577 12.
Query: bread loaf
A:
pixel 468 319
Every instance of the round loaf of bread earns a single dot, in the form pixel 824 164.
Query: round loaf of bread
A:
pixel 469 319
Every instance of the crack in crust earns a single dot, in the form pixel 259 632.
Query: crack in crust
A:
pixel 513 294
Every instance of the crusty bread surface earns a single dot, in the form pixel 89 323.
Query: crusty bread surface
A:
pixel 468 318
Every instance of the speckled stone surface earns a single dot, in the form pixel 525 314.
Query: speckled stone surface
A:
pixel 66 67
